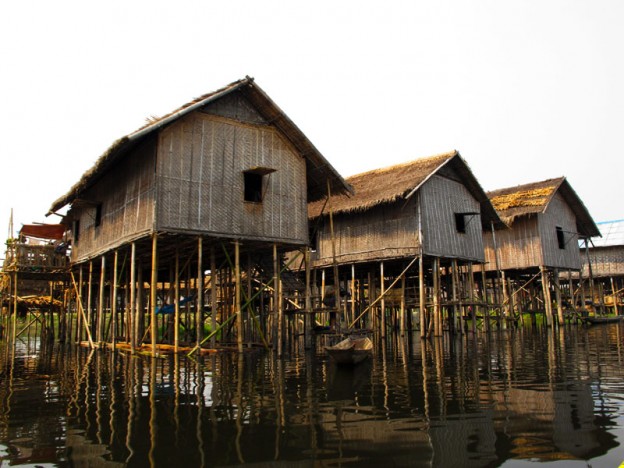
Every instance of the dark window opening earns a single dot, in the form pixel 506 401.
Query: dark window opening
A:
pixel 76 230
pixel 98 214
pixel 560 238
pixel 253 187
pixel 460 222
pixel 314 237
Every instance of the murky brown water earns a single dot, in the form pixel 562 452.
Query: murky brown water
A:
pixel 505 399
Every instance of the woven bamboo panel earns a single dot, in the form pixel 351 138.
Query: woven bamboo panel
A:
pixel 201 167
pixel 440 199
pixel 518 247
pixel 605 261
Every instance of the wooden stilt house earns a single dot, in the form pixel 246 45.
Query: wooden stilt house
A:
pixel 545 220
pixel 220 184
pixel 603 263
pixel 430 210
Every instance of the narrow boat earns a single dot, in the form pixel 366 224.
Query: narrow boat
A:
pixel 596 319
pixel 351 351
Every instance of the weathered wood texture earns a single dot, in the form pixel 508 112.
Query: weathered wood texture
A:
pixel 201 159
pixel 383 232
pixel 441 199
pixel 126 196
pixel 605 261
pixel 390 231
pixel 532 240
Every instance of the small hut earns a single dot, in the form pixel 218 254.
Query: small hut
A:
pixel 545 220
pixel 603 263
pixel 228 174
pixel 430 210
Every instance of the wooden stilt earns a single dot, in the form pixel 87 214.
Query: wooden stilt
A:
pixel 275 313
pixel 176 298
pixel 421 297
pixel 471 297
pixel 199 313
pixel 309 316
pixel 100 306
pixel 547 298
pixel 558 298
pixel 153 287
pixel 114 300
pixel 237 297
pixel 133 307
pixel 382 290
pixel 402 317
pixel 213 297
pixel 89 299
pixel 79 323
pixel 437 316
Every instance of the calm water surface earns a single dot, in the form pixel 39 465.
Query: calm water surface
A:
pixel 505 399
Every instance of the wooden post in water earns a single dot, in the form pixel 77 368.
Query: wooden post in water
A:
pixel 421 297
pixel 213 297
pixel 89 299
pixel 133 306
pixel 382 290
pixel 275 313
pixel 309 315
pixel 547 298
pixel 437 319
pixel 79 298
pixel 471 297
pixel 176 298
pixel 199 313
pixel 237 298
pixel 114 300
pixel 153 286
pixel 402 316
pixel 100 306
pixel 558 298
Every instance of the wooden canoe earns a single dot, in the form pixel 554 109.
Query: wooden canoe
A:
pixel 596 319
pixel 350 351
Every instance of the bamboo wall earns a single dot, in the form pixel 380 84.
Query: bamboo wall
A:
pixel 519 247
pixel 382 232
pixel 605 261
pixel 559 214
pixel 127 196
pixel 440 199
pixel 201 159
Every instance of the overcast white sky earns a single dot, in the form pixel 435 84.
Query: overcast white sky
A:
pixel 524 90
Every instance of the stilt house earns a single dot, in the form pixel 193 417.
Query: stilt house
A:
pixel 228 168
pixel 546 220
pixel 603 261
pixel 432 210
pixel 432 206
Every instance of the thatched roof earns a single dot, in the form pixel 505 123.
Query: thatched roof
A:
pixel 534 198
pixel 400 182
pixel 318 169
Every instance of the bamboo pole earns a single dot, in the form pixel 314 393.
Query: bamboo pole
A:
pixel 335 321
pixel 372 304
pixel 81 311
pixel 199 313
pixel 237 297
pixel 437 319
pixel 79 319
pixel 153 287
pixel 275 313
pixel 382 290
pixel 558 298
pixel 90 297
pixel 133 306
pixel 422 300
pixel 547 298
pixel 100 307
pixel 176 313
pixel 309 316
pixel 213 296
pixel 114 301
pixel 402 316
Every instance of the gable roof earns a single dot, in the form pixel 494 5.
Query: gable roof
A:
pixel 534 198
pixel 318 169
pixel 390 184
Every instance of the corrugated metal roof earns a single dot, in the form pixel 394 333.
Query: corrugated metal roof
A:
pixel 612 234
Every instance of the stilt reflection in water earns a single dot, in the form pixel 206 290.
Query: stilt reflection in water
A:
pixel 485 398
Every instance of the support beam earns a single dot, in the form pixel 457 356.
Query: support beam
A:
pixel 153 287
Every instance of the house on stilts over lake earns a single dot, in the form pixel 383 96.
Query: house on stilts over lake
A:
pixel 603 266
pixel 403 247
pixel 181 227
pixel 546 220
